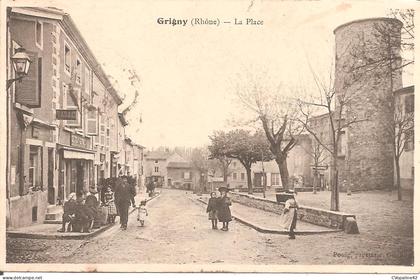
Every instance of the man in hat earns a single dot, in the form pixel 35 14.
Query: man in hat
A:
pixel 123 196
pixel 223 210
pixel 289 217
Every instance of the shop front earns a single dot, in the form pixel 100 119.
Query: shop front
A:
pixel 76 166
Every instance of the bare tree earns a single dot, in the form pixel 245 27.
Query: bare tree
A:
pixel 276 113
pixel 319 156
pixel 338 114
pixel 201 163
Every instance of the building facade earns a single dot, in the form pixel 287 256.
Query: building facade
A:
pixel 63 120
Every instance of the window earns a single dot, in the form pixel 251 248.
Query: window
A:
pixel 156 168
pixel 275 179
pixel 102 131
pixel 92 121
pixel 35 170
pixel 71 100
pixel 38 34
pixel 187 175
pixel 87 83
pixel 409 141
pixel 242 176
pixel 234 164
pixel 234 176
pixel 78 71
pixel 67 59
pixel 409 104
pixel 341 145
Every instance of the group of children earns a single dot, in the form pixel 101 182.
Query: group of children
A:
pixel 218 209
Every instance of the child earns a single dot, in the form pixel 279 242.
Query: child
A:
pixel 289 217
pixel 109 202
pixel 212 210
pixel 223 212
pixel 142 212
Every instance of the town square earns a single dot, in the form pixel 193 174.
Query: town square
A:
pixel 261 134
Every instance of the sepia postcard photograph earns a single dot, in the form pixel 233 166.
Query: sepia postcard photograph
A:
pixel 208 136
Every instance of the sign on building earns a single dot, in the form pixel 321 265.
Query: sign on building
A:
pixel 66 114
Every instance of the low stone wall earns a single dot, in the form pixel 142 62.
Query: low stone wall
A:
pixel 20 212
pixel 316 216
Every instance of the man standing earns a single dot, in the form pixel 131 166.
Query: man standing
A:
pixel 123 196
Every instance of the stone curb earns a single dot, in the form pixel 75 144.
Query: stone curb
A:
pixel 274 231
pixel 79 236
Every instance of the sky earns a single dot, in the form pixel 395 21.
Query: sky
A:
pixel 188 72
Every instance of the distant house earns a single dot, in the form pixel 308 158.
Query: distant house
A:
pixel 181 175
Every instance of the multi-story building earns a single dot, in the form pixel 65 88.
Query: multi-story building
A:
pixel 64 129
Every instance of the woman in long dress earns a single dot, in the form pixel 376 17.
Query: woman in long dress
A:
pixel 289 216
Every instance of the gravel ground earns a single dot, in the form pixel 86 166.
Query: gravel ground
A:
pixel 177 232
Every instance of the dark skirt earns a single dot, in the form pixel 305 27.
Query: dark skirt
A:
pixel 213 215
pixel 224 214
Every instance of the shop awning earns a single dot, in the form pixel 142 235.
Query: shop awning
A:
pixel 74 153
pixel 78 155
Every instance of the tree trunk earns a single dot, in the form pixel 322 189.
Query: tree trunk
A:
pixel 397 169
pixel 315 181
pixel 334 185
pixel 284 172
pixel 249 180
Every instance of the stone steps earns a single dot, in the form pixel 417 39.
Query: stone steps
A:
pixel 54 214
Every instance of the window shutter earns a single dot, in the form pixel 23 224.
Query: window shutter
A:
pixel 73 102
pixel 92 122
pixel 28 90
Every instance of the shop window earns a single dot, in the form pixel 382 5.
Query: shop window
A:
pixel 275 179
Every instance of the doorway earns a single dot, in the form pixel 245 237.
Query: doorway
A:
pixel 80 176
pixel 51 190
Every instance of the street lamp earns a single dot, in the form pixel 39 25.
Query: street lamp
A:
pixel 21 63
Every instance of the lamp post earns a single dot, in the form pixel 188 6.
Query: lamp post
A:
pixel 21 63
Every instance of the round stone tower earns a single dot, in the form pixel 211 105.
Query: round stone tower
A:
pixel 364 51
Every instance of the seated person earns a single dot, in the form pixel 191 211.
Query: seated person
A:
pixel 69 212
pixel 92 205
pixel 83 215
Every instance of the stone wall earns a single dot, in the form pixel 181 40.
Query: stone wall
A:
pixel 311 215
pixel 20 214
